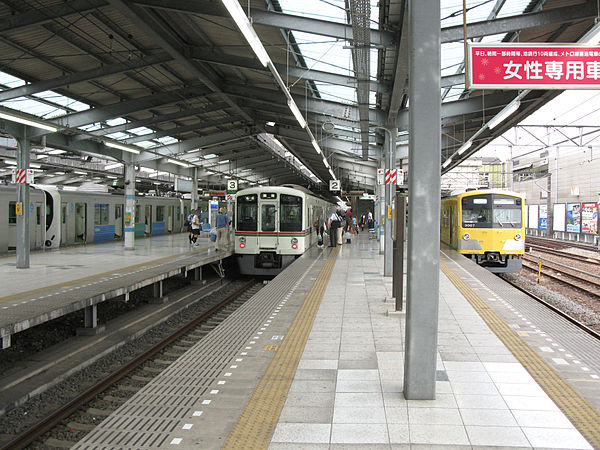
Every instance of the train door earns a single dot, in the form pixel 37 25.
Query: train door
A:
pixel 148 220
pixel 452 223
pixel 170 216
pixel 12 225
pixel 80 222
pixel 119 221
pixel 64 238
pixel 40 225
pixel 268 221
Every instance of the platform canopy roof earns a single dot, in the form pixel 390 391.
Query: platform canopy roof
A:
pixel 179 82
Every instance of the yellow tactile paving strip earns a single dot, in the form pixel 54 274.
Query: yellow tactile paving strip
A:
pixel 581 414
pixel 259 418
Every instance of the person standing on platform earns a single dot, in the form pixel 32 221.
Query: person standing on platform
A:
pixel 222 229
pixel 320 225
pixel 188 222
pixel 340 229
pixel 334 224
pixel 195 224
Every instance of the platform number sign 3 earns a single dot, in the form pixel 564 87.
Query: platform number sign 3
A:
pixel 335 185
pixel 232 185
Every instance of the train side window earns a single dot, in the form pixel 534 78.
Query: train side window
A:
pixel 160 213
pixel 290 218
pixel 101 214
pixel 12 213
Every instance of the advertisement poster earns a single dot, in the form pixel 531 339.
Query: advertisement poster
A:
pixel 589 218
pixel 573 217
pixel 543 217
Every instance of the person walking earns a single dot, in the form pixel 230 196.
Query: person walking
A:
pixel 195 226
pixel 222 229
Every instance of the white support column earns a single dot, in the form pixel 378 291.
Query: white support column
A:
pixel 194 197
pixel 23 242
pixel 390 194
pixel 423 255
pixel 129 206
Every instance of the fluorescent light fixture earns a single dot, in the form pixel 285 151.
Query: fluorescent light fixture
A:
pixel 270 124
pixel 316 146
pixel 147 169
pixel 10 162
pixel 466 146
pixel 113 166
pixel 179 163
pixel 80 172
pixel 58 173
pixel 332 174
pixel 210 155
pixel 56 152
pixel 297 114
pixel 226 176
pixel 238 15
pixel 31 123
pixel 34 165
pixel 326 163
pixel 125 148
pixel 505 113
pixel 447 163
pixel 111 177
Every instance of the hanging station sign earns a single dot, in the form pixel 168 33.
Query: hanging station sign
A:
pixel 534 66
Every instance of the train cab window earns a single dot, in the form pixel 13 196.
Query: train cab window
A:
pixel 247 212
pixel 267 217
pixel 290 213
pixel 100 214
pixel 12 213
pixel 491 211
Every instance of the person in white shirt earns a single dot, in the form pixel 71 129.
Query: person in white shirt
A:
pixel 195 228
pixel 334 224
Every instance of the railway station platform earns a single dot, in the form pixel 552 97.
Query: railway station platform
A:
pixel 61 281
pixel 315 360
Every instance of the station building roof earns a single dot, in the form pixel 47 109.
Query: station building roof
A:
pixel 178 82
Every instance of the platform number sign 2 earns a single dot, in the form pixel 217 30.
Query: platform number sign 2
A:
pixel 232 185
pixel 335 185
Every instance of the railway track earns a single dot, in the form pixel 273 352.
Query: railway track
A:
pixel 69 424
pixel 531 263
pixel 558 311
pixel 556 244
pixel 552 251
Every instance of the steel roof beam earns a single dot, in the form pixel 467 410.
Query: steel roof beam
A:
pixel 185 129
pixel 217 106
pixel 79 77
pixel 177 148
pixel 215 57
pixel 271 19
pixel 565 14
pixel 47 14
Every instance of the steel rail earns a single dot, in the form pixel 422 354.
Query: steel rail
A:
pixel 568 283
pixel 55 418
pixel 561 313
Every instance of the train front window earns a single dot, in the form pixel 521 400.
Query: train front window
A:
pixel 491 211
pixel 291 213
pixel 247 212
pixel 267 217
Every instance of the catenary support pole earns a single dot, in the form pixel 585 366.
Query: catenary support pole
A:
pixel 129 206
pixel 23 242
pixel 424 200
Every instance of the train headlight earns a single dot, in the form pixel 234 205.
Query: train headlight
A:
pixel 242 242
pixel 466 236
pixel 294 243
pixel 518 237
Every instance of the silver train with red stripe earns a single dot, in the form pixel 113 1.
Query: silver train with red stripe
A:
pixel 275 225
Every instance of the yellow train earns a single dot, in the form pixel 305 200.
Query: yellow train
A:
pixel 486 226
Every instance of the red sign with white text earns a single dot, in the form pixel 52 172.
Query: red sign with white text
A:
pixel 534 66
